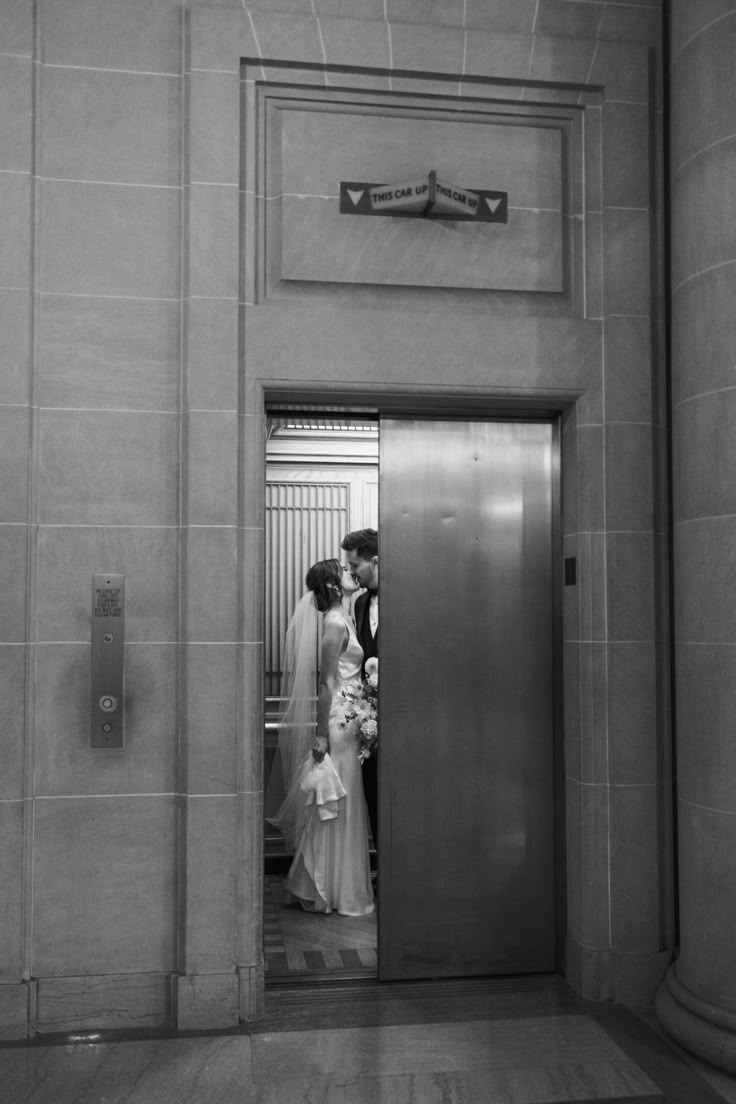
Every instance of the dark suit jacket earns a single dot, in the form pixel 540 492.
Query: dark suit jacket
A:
pixel 368 643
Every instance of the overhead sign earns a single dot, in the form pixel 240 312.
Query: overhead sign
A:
pixel 452 199
pixel 425 198
pixel 379 199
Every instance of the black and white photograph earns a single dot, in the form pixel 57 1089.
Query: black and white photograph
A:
pixel 368 545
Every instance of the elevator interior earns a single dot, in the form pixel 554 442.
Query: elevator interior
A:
pixel 321 482
pixel 471 866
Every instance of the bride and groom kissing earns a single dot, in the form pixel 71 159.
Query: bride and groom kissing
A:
pixel 331 792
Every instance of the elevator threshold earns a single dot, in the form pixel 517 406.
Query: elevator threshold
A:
pixel 346 1002
pixel 294 979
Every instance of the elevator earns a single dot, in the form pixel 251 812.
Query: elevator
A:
pixel 471 869
pixel 467 704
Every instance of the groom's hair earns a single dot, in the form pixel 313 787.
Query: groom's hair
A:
pixel 364 542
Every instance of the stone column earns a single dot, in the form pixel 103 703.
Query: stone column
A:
pixel 697 1000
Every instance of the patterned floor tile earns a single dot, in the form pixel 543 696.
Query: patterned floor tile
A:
pixel 299 944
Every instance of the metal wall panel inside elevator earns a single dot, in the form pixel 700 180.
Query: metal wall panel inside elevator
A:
pixel 467 821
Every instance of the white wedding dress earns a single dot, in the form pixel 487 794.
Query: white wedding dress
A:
pixel 331 867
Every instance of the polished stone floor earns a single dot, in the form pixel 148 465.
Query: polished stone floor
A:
pixel 302 944
pixel 502 1041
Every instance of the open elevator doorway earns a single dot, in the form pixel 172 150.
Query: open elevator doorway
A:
pixel 321 483
pixel 471 779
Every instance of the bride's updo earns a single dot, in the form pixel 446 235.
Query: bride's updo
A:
pixel 323 578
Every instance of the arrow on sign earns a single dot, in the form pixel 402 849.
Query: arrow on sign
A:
pixel 492 206
pixel 355 196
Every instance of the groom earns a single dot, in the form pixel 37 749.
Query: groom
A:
pixel 361 547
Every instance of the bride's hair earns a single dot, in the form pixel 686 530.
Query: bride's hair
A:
pixel 321 577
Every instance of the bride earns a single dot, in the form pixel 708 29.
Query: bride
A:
pixel 324 816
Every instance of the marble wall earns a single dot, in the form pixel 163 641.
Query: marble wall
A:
pixel 91 382
pixel 133 355
pixel 16 85
pixel 698 1001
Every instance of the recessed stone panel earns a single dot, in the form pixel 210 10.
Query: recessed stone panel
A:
pixel 104 885
pixel 312 150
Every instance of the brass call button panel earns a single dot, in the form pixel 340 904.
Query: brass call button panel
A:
pixel 108 661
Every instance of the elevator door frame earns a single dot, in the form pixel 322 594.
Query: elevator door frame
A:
pixel 476 408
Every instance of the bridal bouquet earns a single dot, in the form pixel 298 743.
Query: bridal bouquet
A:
pixel 363 709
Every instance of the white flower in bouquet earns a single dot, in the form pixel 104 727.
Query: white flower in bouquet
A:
pixel 371 672
pixel 369 729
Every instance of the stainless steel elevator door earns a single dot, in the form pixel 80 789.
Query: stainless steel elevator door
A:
pixel 467 854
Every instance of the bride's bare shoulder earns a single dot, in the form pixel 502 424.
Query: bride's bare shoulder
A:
pixel 333 618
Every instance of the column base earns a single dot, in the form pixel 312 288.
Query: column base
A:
pixel 626 978
pixel 704 1029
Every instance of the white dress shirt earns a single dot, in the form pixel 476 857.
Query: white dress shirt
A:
pixel 373 614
